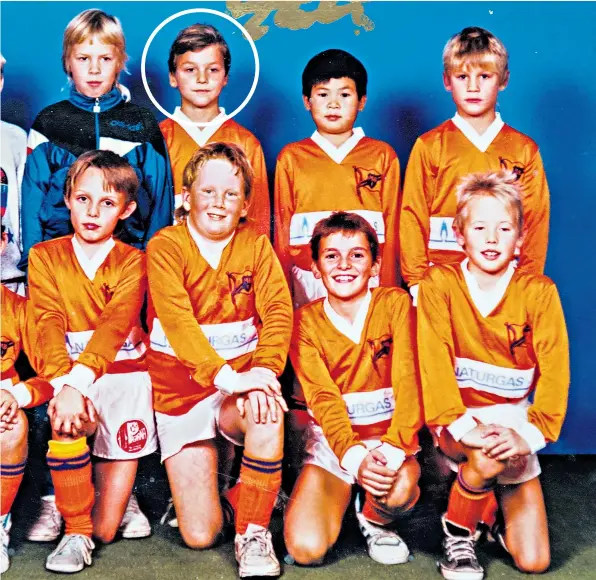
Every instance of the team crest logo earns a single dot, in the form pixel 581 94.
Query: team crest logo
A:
pixel 107 292
pixel 517 335
pixel 368 179
pixel 6 344
pixel 240 283
pixel 132 436
pixel 514 167
pixel 380 348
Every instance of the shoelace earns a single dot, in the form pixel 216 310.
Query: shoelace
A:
pixel 66 545
pixel 460 548
pixel 167 513
pixel 49 515
pixel 383 537
pixel 256 544
pixel 133 505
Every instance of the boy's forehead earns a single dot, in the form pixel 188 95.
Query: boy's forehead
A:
pixel 487 207
pixel 341 82
pixel 474 64
pixel 345 240
pixel 212 52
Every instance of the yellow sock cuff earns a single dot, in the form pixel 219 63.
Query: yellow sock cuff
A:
pixel 65 449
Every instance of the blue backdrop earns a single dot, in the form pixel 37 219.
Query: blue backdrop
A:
pixel 551 97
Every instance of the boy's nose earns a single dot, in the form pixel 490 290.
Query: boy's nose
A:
pixel 472 84
pixel 202 77
pixel 93 210
pixel 94 66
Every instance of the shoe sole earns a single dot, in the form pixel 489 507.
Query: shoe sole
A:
pixel 65 569
pixel 136 535
pixel 44 538
pixel 454 575
pixel 392 563
pixel 259 572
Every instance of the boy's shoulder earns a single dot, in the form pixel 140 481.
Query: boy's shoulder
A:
pixel 235 129
pixel 53 114
pixel 174 234
pixel 13 134
pixel 310 314
pixel 533 285
pixel 126 251
pixel 54 248
pixel 443 275
pixel 307 145
pixel 388 297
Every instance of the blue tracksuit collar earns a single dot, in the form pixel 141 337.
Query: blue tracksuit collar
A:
pixel 107 101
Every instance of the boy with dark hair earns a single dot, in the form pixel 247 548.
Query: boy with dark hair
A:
pixel 475 139
pixel 199 64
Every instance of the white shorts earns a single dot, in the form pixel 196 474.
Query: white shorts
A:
pixel 125 424
pixel 518 470
pixel 318 452
pixel 198 424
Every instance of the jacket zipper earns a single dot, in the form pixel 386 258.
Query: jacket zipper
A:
pixel 97 110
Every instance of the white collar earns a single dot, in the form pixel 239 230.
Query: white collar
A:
pixel 210 250
pixel 91 265
pixel 338 154
pixel 481 142
pixel 486 300
pixel 354 330
pixel 200 135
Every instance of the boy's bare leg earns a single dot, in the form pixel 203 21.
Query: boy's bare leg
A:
pixel 314 515
pixel 526 526
pixel 192 474
pixel 114 481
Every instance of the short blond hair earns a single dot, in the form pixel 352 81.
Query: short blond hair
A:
pixel 501 185
pixel 218 150
pixel 88 24
pixel 475 46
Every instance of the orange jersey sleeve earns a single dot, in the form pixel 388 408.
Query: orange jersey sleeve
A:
pixel 284 205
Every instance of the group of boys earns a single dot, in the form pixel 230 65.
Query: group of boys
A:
pixel 480 354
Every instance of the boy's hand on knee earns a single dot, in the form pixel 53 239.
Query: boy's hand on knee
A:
pixel 506 444
pixel 259 378
pixel 478 437
pixel 374 476
pixel 67 411
pixel 8 411
pixel 263 406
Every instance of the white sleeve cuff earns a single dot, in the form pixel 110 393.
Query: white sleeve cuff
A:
pixel 414 294
pixel 352 459
pixel 227 380
pixel 394 455
pixel 20 392
pixel 80 378
pixel 462 426
pixel 533 436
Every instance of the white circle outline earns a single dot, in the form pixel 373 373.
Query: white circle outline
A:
pixel 203 11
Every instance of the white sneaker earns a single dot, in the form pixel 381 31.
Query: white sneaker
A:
pixel 72 554
pixel 5 526
pixel 169 516
pixel 384 545
pixel 134 522
pixel 48 525
pixel 255 554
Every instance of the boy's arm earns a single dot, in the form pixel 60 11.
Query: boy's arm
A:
pixel 443 406
pixel 408 414
pixel 414 221
pixel 157 179
pixel 324 398
pixel 260 204
pixel 274 306
pixel 536 203
pixel 49 318
pixel 390 196
pixel 174 310
pixel 117 319
pixel 547 413
pixel 284 208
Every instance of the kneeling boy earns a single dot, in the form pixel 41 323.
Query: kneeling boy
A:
pixel 490 337
pixel 353 353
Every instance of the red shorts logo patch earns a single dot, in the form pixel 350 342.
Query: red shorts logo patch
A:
pixel 132 436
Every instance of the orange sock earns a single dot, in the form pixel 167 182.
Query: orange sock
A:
pixel 261 481
pixel 467 504
pixel 489 515
pixel 11 476
pixel 377 513
pixel 70 466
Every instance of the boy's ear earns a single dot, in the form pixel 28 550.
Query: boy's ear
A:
pixel 314 268
pixel 245 206
pixel 362 103
pixel 459 237
pixel 186 199
pixel 376 267
pixel 306 101
pixel 129 210
pixel 173 82
pixel 67 202
pixel 447 82
pixel 505 81
pixel 520 242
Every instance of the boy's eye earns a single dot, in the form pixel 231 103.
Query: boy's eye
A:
pixel 478 228
pixel 358 255
pixel 82 58
pixel 107 58
pixel 322 94
pixel 330 256
pixel 214 69
pixel 108 203
pixel 82 198
pixel 232 194
pixel 189 69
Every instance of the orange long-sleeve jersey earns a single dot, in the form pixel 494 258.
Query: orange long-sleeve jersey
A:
pixel 310 185
pixel 94 322
pixel 364 390
pixel 18 333
pixel 181 147
pixel 201 318
pixel 438 161
pixel 470 360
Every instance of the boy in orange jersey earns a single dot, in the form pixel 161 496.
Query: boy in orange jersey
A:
pixel 353 353
pixel 220 317
pixel 336 168
pixel 199 64
pixel 494 361
pixel 17 334
pixel 474 140
pixel 87 290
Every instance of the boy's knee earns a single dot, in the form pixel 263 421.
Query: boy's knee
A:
pixel 307 549
pixel 104 534
pixel 17 436
pixel 200 538
pixel 485 466
pixel 532 563
pixel 405 497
